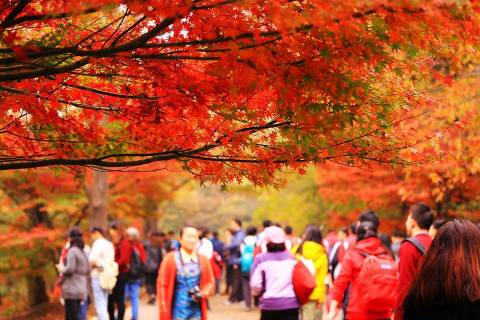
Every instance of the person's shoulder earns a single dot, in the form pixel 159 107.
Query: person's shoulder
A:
pixel 170 257
pixel 74 251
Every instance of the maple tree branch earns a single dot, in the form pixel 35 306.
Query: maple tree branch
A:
pixel 121 35
pixel 31 162
pixel 111 94
pixel 44 71
pixel 38 17
pixel 63 101
pixel 15 12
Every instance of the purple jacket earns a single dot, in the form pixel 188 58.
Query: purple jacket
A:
pixel 275 268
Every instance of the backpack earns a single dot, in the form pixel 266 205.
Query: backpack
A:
pixel 417 244
pixel 246 259
pixel 377 282
pixel 136 267
pixel 108 276
pixel 303 280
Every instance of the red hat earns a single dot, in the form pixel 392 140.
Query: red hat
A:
pixel 275 235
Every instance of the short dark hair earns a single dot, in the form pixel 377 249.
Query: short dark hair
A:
pixel 369 215
pixel 97 229
pixel 115 225
pixel 422 215
pixel 204 231
pixel 438 223
pixel 157 234
pixel 288 230
pixel 267 223
pixel 251 231
pixel 344 230
pixel 238 222
pixel 398 234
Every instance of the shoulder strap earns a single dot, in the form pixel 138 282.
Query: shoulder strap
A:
pixel 417 244
pixel 362 253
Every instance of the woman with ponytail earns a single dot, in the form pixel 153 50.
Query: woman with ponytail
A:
pixel 368 248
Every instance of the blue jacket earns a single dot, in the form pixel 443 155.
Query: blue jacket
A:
pixel 234 248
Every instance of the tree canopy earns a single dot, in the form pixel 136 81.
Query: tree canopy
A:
pixel 232 89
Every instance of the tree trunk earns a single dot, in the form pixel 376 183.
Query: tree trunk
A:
pixel 37 292
pixel 98 200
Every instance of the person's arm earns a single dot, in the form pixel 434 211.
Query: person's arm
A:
pixel 143 254
pixel 71 265
pixel 256 279
pixel 94 255
pixel 407 269
pixel 125 253
pixel 321 271
pixel 236 242
pixel 165 274
pixel 341 283
pixel 209 287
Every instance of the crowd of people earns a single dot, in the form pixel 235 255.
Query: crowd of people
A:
pixel 355 273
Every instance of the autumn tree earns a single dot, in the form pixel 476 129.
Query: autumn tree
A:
pixel 231 89
pixel 448 178
pixel 37 207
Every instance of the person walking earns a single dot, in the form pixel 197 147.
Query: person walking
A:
pixel 103 265
pixel 233 260
pixel 217 260
pixel 123 252
pixel 271 278
pixel 154 250
pixel 447 286
pixel 412 250
pixel 292 240
pixel 247 249
pixel 136 269
pixel 185 280
pixel 205 246
pixel 74 276
pixel 371 274
pixel 311 248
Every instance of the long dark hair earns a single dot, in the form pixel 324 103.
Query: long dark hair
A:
pixel 450 273
pixel 312 233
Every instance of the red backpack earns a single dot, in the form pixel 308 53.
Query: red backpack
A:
pixel 303 280
pixel 377 282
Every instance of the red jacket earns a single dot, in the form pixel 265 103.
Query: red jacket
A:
pixel 351 266
pixel 123 253
pixel 166 284
pixel 410 260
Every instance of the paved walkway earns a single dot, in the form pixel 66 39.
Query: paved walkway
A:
pixel 219 311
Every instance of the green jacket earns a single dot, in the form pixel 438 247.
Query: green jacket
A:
pixel 316 252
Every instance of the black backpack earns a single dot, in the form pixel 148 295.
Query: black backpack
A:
pixel 136 267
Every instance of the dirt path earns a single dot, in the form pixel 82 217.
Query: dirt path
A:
pixel 219 311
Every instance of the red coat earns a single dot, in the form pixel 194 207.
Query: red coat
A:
pixel 351 266
pixel 410 260
pixel 166 284
pixel 123 253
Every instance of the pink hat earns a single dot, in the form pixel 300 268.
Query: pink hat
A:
pixel 274 234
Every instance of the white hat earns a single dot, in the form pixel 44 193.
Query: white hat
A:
pixel 133 232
